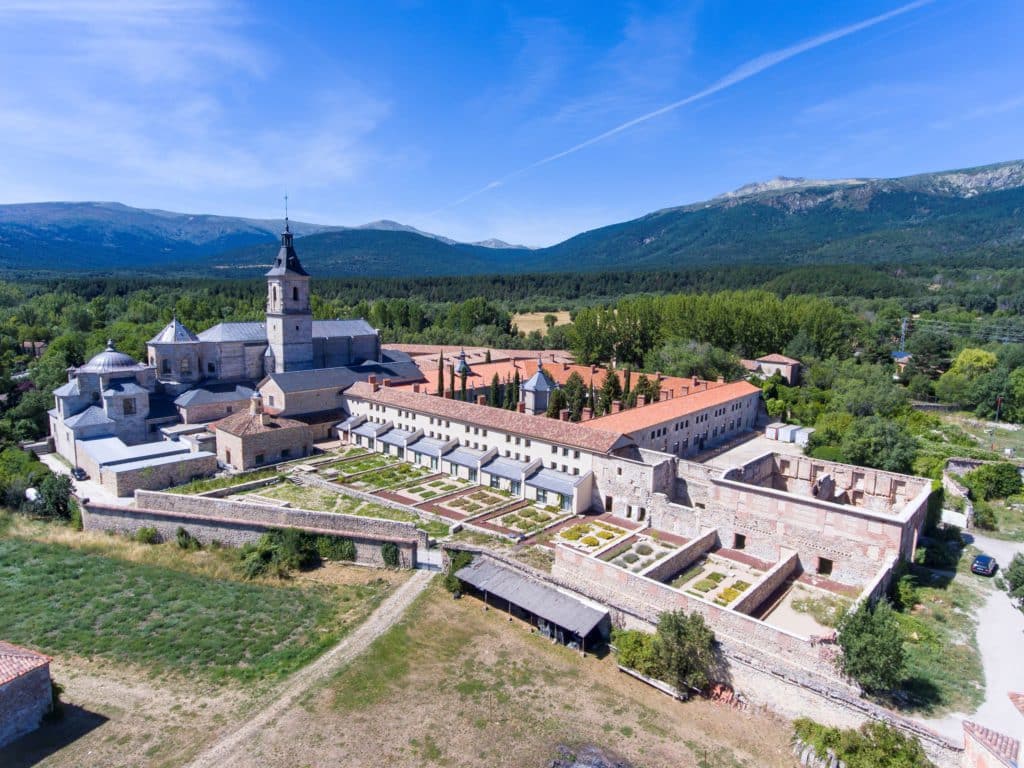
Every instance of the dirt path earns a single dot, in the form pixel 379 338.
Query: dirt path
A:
pixel 224 751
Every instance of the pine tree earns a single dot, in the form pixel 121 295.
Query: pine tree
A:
pixel 611 390
pixel 555 404
pixel 575 395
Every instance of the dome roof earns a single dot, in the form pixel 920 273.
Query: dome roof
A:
pixel 109 360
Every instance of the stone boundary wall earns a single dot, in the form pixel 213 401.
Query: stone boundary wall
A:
pixel 231 532
pixel 682 558
pixel 23 703
pixel 955 488
pixel 762 589
pixel 250 485
pixel 369 529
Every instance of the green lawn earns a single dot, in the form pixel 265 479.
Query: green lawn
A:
pixel 64 600
pixel 216 483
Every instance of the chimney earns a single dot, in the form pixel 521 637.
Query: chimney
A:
pixel 481 399
pixel 256 404
pixel 696 381
pixel 563 415
pixel 666 394
pixel 387 382
pixel 587 414
pixel 641 401
pixel 616 406
pixel 684 391
pixel 593 369
pixel 372 380
pixel 521 407
pixel 565 366
pixel 721 379
pixel 657 376
pixel 416 388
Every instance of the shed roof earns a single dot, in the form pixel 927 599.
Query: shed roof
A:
pixel 214 393
pixel 555 481
pixel 429 446
pixel 464 457
pixel 16 661
pixel 539 599
pixel 91 417
pixel 502 466
pixel 396 436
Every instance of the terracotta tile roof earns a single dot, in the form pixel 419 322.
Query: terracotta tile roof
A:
pixel 643 417
pixel 1004 748
pixel 537 427
pixel 780 359
pixel 16 661
pixel 1018 701
pixel 245 423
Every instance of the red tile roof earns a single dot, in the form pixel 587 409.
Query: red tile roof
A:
pixel 1018 701
pixel 16 661
pixel 245 423
pixel 537 427
pixel 779 359
pixel 644 417
pixel 1004 748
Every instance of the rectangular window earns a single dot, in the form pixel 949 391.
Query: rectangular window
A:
pixel 824 566
pixel 739 541
pixel 286 453
pixel 129 406
pixel 259 458
pixel 542 495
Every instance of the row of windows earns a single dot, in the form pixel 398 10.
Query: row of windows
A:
pixel 184 365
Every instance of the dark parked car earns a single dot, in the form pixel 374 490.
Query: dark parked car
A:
pixel 984 565
pixel 79 474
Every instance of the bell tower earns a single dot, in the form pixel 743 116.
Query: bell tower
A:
pixel 289 318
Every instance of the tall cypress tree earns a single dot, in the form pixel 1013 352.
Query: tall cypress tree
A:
pixel 440 375
pixel 494 396
pixel 509 403
pixel 627 376
pixel 516 381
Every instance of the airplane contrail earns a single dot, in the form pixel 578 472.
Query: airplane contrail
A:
pixel 743 72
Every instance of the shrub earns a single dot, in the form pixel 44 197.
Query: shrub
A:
pixel 904 592
pixel 644 549
pixel 575 533
pixel 456 563
pixel 716 577
pixel 994 481
pixel 729 594
pixel 606 535
pixel 872 647
pixel 630 557
pixel 389 554
pixel 635 649
pixel 1014 575
pixel 874 744
pixel 147 535
pixel 186 540
pixel 279 552
pixel 684 649
pixel 741 586
pixel 705 585
pixel 336 548
pixel 590 541
pixel 985 516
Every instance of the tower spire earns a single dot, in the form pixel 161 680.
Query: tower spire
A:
pixel 286 213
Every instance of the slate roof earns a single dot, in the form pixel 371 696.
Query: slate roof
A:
pixel 235 332
pixel 396 436
pixel 536 427
pixel 510 469
pixel 464 457
pixel 16 661
pixel 555 481
pixel 1003 748
pixel 71 389
pixel 334 328
pixel 538 382
pixel 428 446
pixel 342 377
pixel 161 406
pixel 539 599
pixel 124 388
pixel 646 416
pixel 107 451
pixel 90 417
pixel 214 393
pixel 110 360
pixel 174 333
pixel 287 261
pixel 245 423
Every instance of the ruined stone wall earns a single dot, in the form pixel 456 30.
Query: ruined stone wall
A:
pixel 647 599
pixel 23 703
pixel 631 482
pixel 762 589
pixel 682 557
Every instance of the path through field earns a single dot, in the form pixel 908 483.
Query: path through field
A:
pixel 228 749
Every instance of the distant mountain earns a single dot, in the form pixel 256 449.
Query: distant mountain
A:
pixel 784 220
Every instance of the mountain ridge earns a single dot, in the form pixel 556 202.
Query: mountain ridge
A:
pixel 786 219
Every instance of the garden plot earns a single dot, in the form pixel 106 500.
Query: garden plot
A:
pixel 479 501
pixel 530 519
pixel 360 464
pixel 589 536
pixel 394 476
pixel 716 579
pixel 639 552
pixel 433 488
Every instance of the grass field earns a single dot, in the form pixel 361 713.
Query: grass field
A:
pixel 451 684
pixel 82 601
pixel 534 321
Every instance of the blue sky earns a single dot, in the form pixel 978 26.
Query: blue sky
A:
pixel 454 117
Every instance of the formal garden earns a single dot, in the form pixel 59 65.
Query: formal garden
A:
pixel 589 536
pixel 530 519
pixel 716 579
pixel 639 552
pixel 437 486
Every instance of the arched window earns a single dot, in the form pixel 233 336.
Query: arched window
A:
pixel 295 293
pixel 273 294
